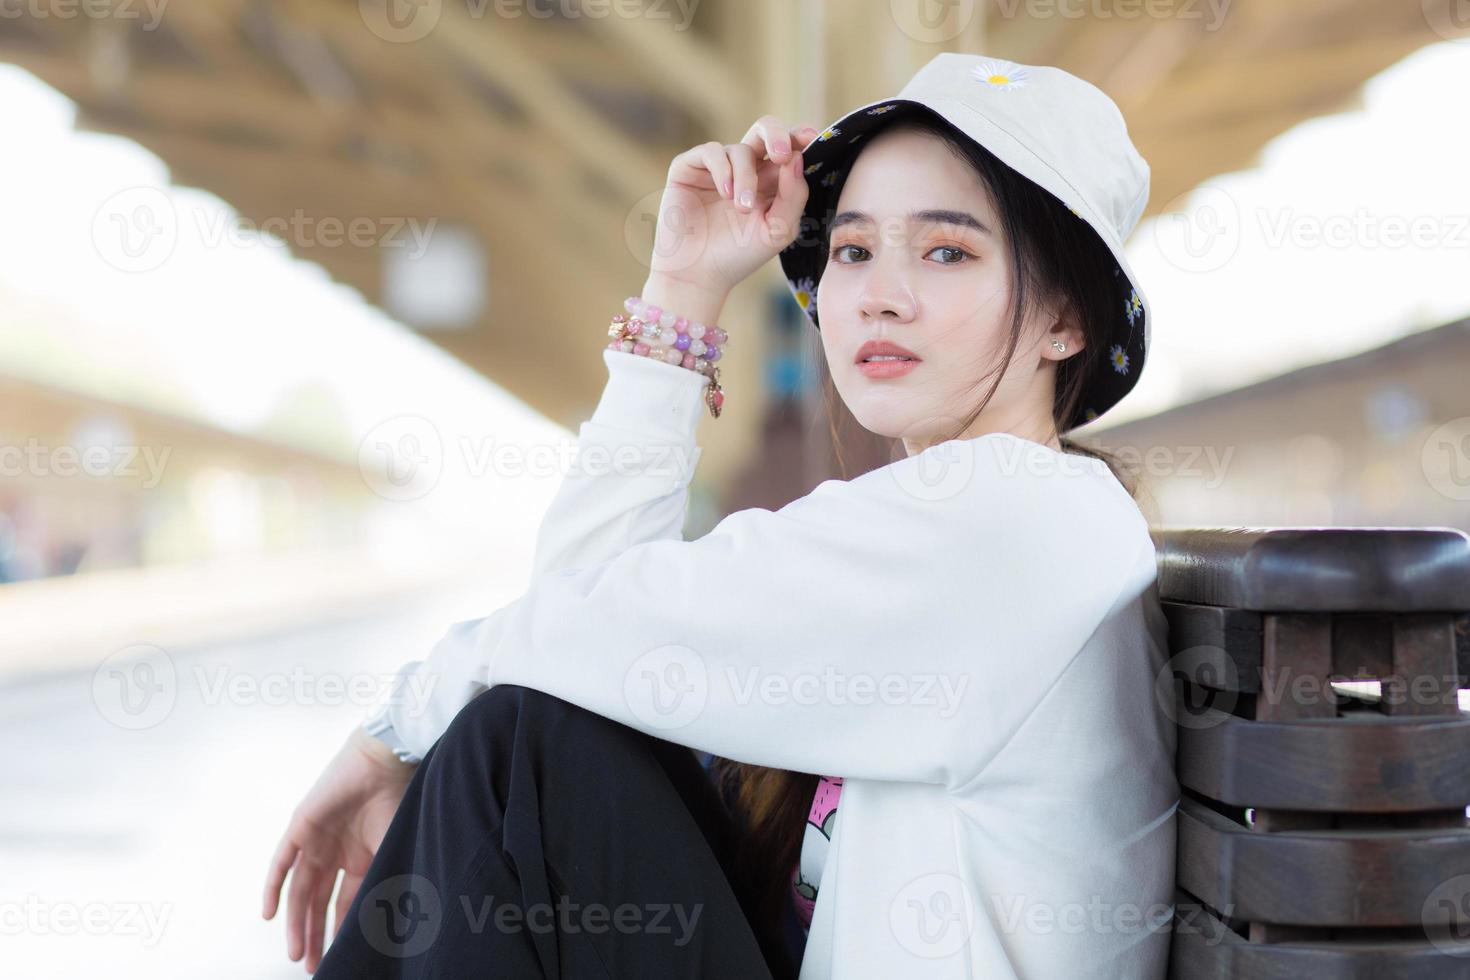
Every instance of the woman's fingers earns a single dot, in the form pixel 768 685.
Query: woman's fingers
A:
pixel 773 140
pixel 345 895
pixel 702 166
pixel 784 215
pixel 732 169
pixel 286 852
pixel 743 162
pixel 722 175
pixel 298 906
pixel 769 138
pixel 316 919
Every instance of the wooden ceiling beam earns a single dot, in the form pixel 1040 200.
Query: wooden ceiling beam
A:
pixel 491 48
pixel 532 341
pixel 476 146
pixel 687 68
pixel 504 222
pixel 1269 80
pixel 188 99
pixel 209 30
pixel 600 145
pixel 555 179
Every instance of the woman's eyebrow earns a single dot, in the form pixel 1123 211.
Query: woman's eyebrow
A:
pixel 926 216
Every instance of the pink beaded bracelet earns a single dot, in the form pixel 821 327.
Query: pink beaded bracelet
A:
pixel 649 331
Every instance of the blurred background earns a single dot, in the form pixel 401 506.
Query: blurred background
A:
pixel 302 302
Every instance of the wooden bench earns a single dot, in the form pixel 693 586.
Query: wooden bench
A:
pixel 1322 825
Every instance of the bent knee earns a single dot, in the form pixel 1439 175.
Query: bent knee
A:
pixel 499 707
pixel 537 720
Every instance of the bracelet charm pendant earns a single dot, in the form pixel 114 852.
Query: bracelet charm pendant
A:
pixel 714 395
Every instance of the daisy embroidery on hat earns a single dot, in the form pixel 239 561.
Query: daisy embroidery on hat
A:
pixel 804 291
pixel 1132 306
pixel 813 168
pixel 1119 357
pixel 1002 75
pixel 828 133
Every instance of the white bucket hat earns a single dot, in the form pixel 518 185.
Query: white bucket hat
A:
pixel 1051 127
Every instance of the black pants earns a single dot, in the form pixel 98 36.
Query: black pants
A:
pixel 537 839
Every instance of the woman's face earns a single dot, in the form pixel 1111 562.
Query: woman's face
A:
pixel 918 259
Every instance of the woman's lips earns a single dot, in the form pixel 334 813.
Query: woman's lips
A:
pixel 886 368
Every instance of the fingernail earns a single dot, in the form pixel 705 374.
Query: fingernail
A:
pixel 729 191
pixel 747 198
pixel 783 147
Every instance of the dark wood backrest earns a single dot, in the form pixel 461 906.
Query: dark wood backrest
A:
pixel 1322 825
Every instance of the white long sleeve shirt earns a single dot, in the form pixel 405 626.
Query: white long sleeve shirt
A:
pixel 969 636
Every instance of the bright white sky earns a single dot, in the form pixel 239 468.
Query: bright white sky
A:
pixel 224 332
pixel 1268 297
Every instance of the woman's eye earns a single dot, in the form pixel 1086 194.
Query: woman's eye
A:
pixel 955 255
pixel 959 254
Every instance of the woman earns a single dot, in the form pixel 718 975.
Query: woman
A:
pixel 928 690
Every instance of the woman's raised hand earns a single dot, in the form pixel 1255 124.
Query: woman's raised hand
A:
pixel 727 209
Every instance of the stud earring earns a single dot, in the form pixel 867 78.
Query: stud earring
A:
pixel 1061 347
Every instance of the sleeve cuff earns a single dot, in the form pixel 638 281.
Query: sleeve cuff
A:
pixel 380 728
pixel 644 395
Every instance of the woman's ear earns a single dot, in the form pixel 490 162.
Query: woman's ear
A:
pixel 1065 329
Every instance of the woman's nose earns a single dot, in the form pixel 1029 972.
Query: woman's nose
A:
pixel 887 297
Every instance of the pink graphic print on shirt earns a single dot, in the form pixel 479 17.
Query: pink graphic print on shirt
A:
pixel 819 823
